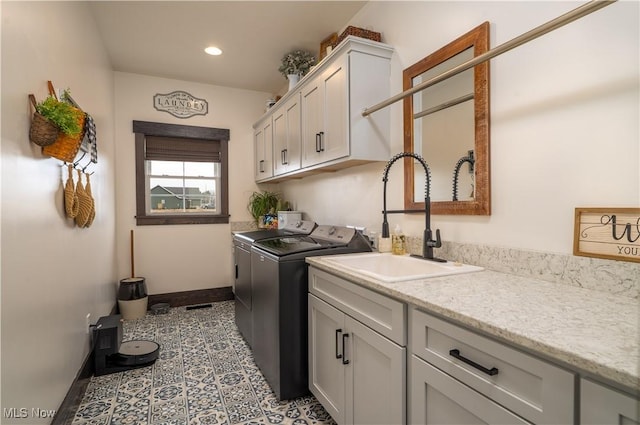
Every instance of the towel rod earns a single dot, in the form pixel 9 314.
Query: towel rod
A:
pixel 556 23
pixel 444 105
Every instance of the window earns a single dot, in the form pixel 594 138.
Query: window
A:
pixel 181 174
pixel 182 187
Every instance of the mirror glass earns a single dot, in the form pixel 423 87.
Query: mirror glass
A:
pixel 448 124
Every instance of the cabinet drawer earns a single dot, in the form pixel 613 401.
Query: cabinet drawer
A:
pixel 382 314
pixel 437 398
pixel 534 389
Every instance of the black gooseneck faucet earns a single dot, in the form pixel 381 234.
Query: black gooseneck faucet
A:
pixel 427 240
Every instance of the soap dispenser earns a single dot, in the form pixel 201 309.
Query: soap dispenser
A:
pixel 398 241
pixel 384 244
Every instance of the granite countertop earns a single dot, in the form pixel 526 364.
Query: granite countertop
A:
pixel 594 332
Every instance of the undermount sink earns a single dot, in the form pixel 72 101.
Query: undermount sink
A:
pixel 397 268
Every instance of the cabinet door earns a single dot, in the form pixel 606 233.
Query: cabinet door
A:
pixel 437 398
pixel 601 405
pixel 325 119
pixel 312 122
pixel 286 136
pixel 375 392
pixel 326 371
pixel 263 148
pixel 279 140
pixel 335 141
pixel 294 134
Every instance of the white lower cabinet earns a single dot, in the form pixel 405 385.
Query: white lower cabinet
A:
pixel 437 398
pixel 375 377
pixel 326 372
pixel 357 374
pixel 490 381
pixel 602 406
pixel 374 360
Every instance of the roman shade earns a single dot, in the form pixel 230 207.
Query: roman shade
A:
pixel 178 149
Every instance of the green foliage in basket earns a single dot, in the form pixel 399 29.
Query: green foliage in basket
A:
pixel 262 203
pixel 297 62
pixel 62 114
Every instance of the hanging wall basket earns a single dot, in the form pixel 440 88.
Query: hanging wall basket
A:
pixel 43 132
pixel 65 147
pixel 50 134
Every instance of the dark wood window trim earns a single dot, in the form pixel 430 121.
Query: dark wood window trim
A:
pixel 145 128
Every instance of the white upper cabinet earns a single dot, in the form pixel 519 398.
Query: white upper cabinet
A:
pixel 286 136
pixel 332 133
pixel 263 149
pixel 325 118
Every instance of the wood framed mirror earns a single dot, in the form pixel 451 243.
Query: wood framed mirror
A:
pixel 448 124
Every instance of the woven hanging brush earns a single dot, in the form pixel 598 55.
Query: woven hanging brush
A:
pixel 84 209
pixel 71 204
pixel 87 190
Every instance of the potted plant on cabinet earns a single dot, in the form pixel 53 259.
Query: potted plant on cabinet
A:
pixel 296 64
pixel 262 207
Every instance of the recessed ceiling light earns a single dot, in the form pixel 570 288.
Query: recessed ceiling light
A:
pixel 211 50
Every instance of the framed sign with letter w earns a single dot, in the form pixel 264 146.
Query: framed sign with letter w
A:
pixel 612 233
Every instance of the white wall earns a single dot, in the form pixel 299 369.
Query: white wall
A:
pixel 182 257
pixel 52 273
pixel 564 122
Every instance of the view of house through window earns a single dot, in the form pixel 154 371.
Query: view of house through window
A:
pixel 182 187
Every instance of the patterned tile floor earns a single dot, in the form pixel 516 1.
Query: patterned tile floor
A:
pixel 205 374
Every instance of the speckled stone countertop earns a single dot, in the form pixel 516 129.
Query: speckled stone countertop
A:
pixel 594 332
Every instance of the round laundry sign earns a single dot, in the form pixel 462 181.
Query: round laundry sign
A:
pixel 180 104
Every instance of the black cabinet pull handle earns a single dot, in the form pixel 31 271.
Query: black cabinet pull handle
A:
pixel 338 332
pixel 262 165
pixel 285 154
pixel 344 357
pixel 236 272
pixel 456 353
pixel 321 141
pixel 317 142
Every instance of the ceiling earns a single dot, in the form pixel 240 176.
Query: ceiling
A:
pixel 167 38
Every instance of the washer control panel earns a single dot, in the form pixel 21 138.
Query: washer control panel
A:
pixel 333 233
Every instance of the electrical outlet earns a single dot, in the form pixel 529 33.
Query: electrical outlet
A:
pixel 88 323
